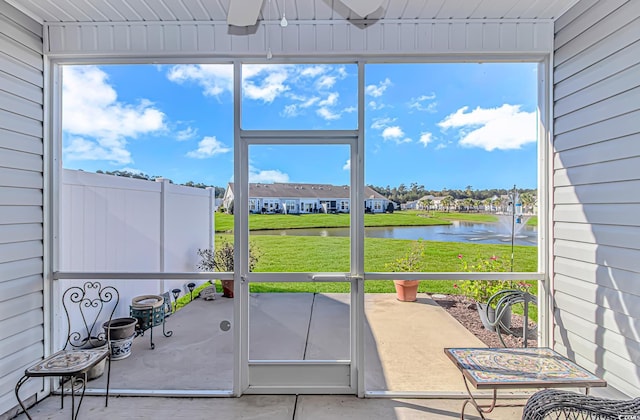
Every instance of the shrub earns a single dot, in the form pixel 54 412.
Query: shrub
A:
pixel 412 261
pixel 221 258
pixel 482 290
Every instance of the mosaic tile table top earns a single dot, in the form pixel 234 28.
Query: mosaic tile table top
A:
pixel 68 362
pixel 494 368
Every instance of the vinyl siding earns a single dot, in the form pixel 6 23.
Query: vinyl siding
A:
pixel 21 202
pixel 597 189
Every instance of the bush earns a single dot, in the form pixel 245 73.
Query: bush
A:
pixel 221 258
pixel 412 261
pixel 482 290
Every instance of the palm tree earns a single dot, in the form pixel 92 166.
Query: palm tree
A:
pixel 487 204
pixel 447 202
pixel 528 200
pixel 497 202
pixel 429 203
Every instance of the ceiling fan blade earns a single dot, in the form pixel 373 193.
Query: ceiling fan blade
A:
pixel 363 7
pixel 243 12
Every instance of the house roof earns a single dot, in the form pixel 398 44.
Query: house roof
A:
pixel 148 11
pixel 296 190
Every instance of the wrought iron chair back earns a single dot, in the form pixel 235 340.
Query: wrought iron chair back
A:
pixel 559 404
pixel 92 302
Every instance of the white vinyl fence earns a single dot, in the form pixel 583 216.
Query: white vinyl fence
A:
pixel 125 225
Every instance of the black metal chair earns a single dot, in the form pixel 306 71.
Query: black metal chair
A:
pixel 505 299
pixel 86 345
pixel 557 404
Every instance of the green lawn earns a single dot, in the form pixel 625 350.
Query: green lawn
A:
pixel 224 222
pixel 467 217
pixel 331 254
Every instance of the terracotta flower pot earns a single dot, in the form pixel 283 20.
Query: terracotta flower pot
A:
pixel 227 288
pixel 406 290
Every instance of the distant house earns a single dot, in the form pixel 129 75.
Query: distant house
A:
pixel 409 205
pixel 291 198
pixel 435 204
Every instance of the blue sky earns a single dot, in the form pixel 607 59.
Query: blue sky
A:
pixel 440 125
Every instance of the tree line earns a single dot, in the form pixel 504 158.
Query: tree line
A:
pixel 403 194
pixel 400 194
pixel 219 191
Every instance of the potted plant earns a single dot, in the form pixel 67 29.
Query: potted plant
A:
pixel 412 261
pixel 481 290
pixel 221 259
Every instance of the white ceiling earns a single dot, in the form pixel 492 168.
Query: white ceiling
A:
pixel 296 10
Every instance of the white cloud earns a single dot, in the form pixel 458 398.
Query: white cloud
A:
pixel 395 134
pixel 96 123
pixel 424 103
pixel 186 134
pixel 503 128
pixel 262 82
pixel 313 71
pixel 309 102
pixel 208 147
pixel 299 84
pixel 291 110
pixel 327 114
pixel 330 100
pixel 425 138
pixel 269 87
pixel 268 176
pixel 215 79
pixel 326 82
pixel 441 146
pixel 380 123
pixel 350 109
pixel 347 166
pixel 377 90
pixel 78 148
pixel 325 111
pixel 375 105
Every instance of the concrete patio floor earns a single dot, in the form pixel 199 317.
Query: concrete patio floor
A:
pixel 404 343
pixel 404 354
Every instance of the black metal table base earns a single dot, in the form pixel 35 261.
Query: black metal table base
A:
pixel 75 381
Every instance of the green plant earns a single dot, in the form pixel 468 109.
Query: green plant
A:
pixel 482 290
pixel 221 258
pixel 412 261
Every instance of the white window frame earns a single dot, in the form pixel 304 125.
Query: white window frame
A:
pixel 545 171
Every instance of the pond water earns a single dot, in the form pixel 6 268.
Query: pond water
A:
pixel 458 231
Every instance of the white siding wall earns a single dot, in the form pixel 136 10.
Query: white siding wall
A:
pixel 21 201
pixel 335 38
pixel 597 189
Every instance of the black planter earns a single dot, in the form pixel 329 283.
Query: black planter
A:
pixel 120 328
pixel 121 332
